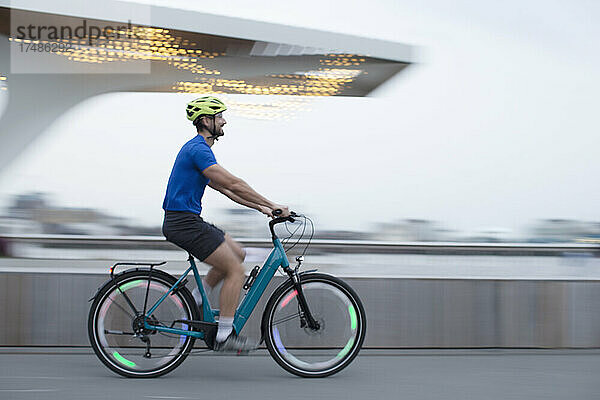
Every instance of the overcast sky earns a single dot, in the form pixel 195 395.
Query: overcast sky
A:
pixel 496 126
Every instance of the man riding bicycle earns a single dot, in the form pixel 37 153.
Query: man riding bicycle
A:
pixel 196 167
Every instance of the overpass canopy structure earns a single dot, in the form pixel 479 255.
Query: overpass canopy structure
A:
pixel 60 53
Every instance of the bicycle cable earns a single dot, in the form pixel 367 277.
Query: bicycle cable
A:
pixel 286 240
pixel 312 232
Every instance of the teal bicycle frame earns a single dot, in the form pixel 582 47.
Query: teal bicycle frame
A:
pixel 277 258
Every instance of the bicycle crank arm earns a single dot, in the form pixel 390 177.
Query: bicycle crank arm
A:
pixel 200 325
pixel 208 328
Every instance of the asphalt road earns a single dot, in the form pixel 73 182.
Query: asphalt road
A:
pixel 42 373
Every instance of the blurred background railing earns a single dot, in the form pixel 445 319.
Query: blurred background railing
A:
pixel 315 245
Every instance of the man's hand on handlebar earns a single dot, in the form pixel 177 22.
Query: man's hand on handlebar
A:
pixel 285 212
pixel 266 210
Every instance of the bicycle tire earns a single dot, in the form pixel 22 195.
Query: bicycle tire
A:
pixel 106 310
pixel 324 352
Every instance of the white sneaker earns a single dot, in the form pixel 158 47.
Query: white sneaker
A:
pixel 235 344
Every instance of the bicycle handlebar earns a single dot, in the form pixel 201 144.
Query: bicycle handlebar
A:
pixel 278 220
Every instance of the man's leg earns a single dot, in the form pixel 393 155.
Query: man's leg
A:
pixel 225 261
pixel 214 276
pixel 236 247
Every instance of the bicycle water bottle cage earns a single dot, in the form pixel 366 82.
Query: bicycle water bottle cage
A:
pixel 251 278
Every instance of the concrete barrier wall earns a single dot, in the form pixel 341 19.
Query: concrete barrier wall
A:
pixel 51 309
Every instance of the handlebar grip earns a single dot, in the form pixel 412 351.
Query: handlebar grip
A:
pixel 278 220
pixel 279 212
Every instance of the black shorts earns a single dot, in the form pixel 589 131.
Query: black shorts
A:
pixel 190 232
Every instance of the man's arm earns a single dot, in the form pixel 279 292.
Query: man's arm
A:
pixel 225 180
pixel 238 199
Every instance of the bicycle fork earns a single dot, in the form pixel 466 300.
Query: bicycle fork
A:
pixel 306 317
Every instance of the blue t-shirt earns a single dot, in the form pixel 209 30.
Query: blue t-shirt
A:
pixel 187 183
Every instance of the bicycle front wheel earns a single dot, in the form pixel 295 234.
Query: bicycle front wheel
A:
pixel 115 324
pixel 315 353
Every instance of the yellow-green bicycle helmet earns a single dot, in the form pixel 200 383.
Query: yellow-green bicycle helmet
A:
pixel 206 105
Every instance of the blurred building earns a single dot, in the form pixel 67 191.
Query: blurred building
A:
pixel 247 223
pixel 563 230
pixel 16 226
pixel 33 213
pixel 490 235
pixel 341 235
pixel 411 230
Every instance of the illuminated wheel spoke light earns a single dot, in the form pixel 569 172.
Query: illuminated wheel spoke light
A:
pixel 288 298
pixel 123 360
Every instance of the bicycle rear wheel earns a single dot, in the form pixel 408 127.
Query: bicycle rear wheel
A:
pixel 115 317
pixel 326 350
